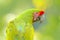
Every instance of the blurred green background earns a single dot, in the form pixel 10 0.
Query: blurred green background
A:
pixel 49 30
